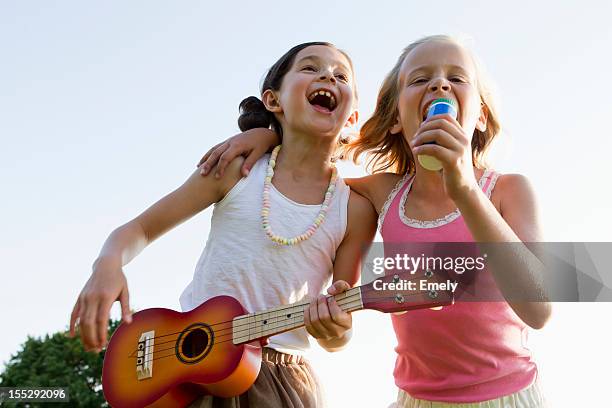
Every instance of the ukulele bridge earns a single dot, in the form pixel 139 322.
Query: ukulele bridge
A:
pixel 144 358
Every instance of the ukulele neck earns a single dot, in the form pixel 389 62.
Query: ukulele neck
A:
pixel 255 326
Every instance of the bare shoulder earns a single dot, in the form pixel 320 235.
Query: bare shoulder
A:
pixel 518 206
pixel 232 174
pixel 376 187
pixel 513 190
pixel 513 181
pixel 202 189
pixel 235 164
pixel 194 195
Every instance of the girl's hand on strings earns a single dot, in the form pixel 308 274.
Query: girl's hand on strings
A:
pixel 324 319
pixel 452 147
pixel 91 311
pixel 252 144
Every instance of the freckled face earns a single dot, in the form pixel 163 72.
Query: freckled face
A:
pixel 437 69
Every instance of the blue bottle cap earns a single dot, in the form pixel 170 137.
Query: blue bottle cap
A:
pixel 442 106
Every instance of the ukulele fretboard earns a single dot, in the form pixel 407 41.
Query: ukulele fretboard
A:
pixel 253 326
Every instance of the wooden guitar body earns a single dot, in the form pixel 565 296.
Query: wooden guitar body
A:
pixel 170 358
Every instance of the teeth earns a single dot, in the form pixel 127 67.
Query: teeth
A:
pixel 328 94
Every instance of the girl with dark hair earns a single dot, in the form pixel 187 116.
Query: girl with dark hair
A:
pixel 277 236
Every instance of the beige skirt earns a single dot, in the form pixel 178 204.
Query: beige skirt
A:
pixel 530 397
pixel 284 381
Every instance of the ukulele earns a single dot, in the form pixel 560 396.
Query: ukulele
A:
pixel 165 358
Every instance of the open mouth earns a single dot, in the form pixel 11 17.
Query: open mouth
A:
pixel 424 113
pixel 426 109
pixel 323 99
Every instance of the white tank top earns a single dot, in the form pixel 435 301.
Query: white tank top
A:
pixel 239 259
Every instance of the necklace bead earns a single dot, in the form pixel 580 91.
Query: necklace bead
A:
pixel 265 209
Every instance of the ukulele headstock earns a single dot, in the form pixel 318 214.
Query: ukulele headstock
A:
pixel 408 291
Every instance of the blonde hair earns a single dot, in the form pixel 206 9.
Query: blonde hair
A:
pixel 387 151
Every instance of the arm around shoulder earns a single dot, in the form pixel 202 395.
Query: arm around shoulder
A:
pixel 375 187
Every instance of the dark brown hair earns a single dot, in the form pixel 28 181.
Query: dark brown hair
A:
pixel 253 112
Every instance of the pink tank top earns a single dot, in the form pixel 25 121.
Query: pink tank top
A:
pixel 467 352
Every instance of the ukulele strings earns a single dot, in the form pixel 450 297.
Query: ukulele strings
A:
pixel 227 340
pixel 260 331
pixel 364 289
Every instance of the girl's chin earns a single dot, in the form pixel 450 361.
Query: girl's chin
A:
pixel 322 132
pixel 324 122
pixel 323 129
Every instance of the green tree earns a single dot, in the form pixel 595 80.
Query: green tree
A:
pixel 58 361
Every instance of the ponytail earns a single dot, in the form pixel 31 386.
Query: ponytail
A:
pixel 253 114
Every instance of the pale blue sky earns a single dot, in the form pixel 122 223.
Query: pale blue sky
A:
pixel 107 106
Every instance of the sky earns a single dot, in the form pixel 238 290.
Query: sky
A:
pixel 105 107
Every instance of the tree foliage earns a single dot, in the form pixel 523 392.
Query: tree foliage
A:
pixel 58 361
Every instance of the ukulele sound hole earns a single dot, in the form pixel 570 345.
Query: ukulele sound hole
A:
pixel 194 343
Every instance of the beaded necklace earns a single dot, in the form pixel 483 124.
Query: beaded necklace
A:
pixel 265 210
